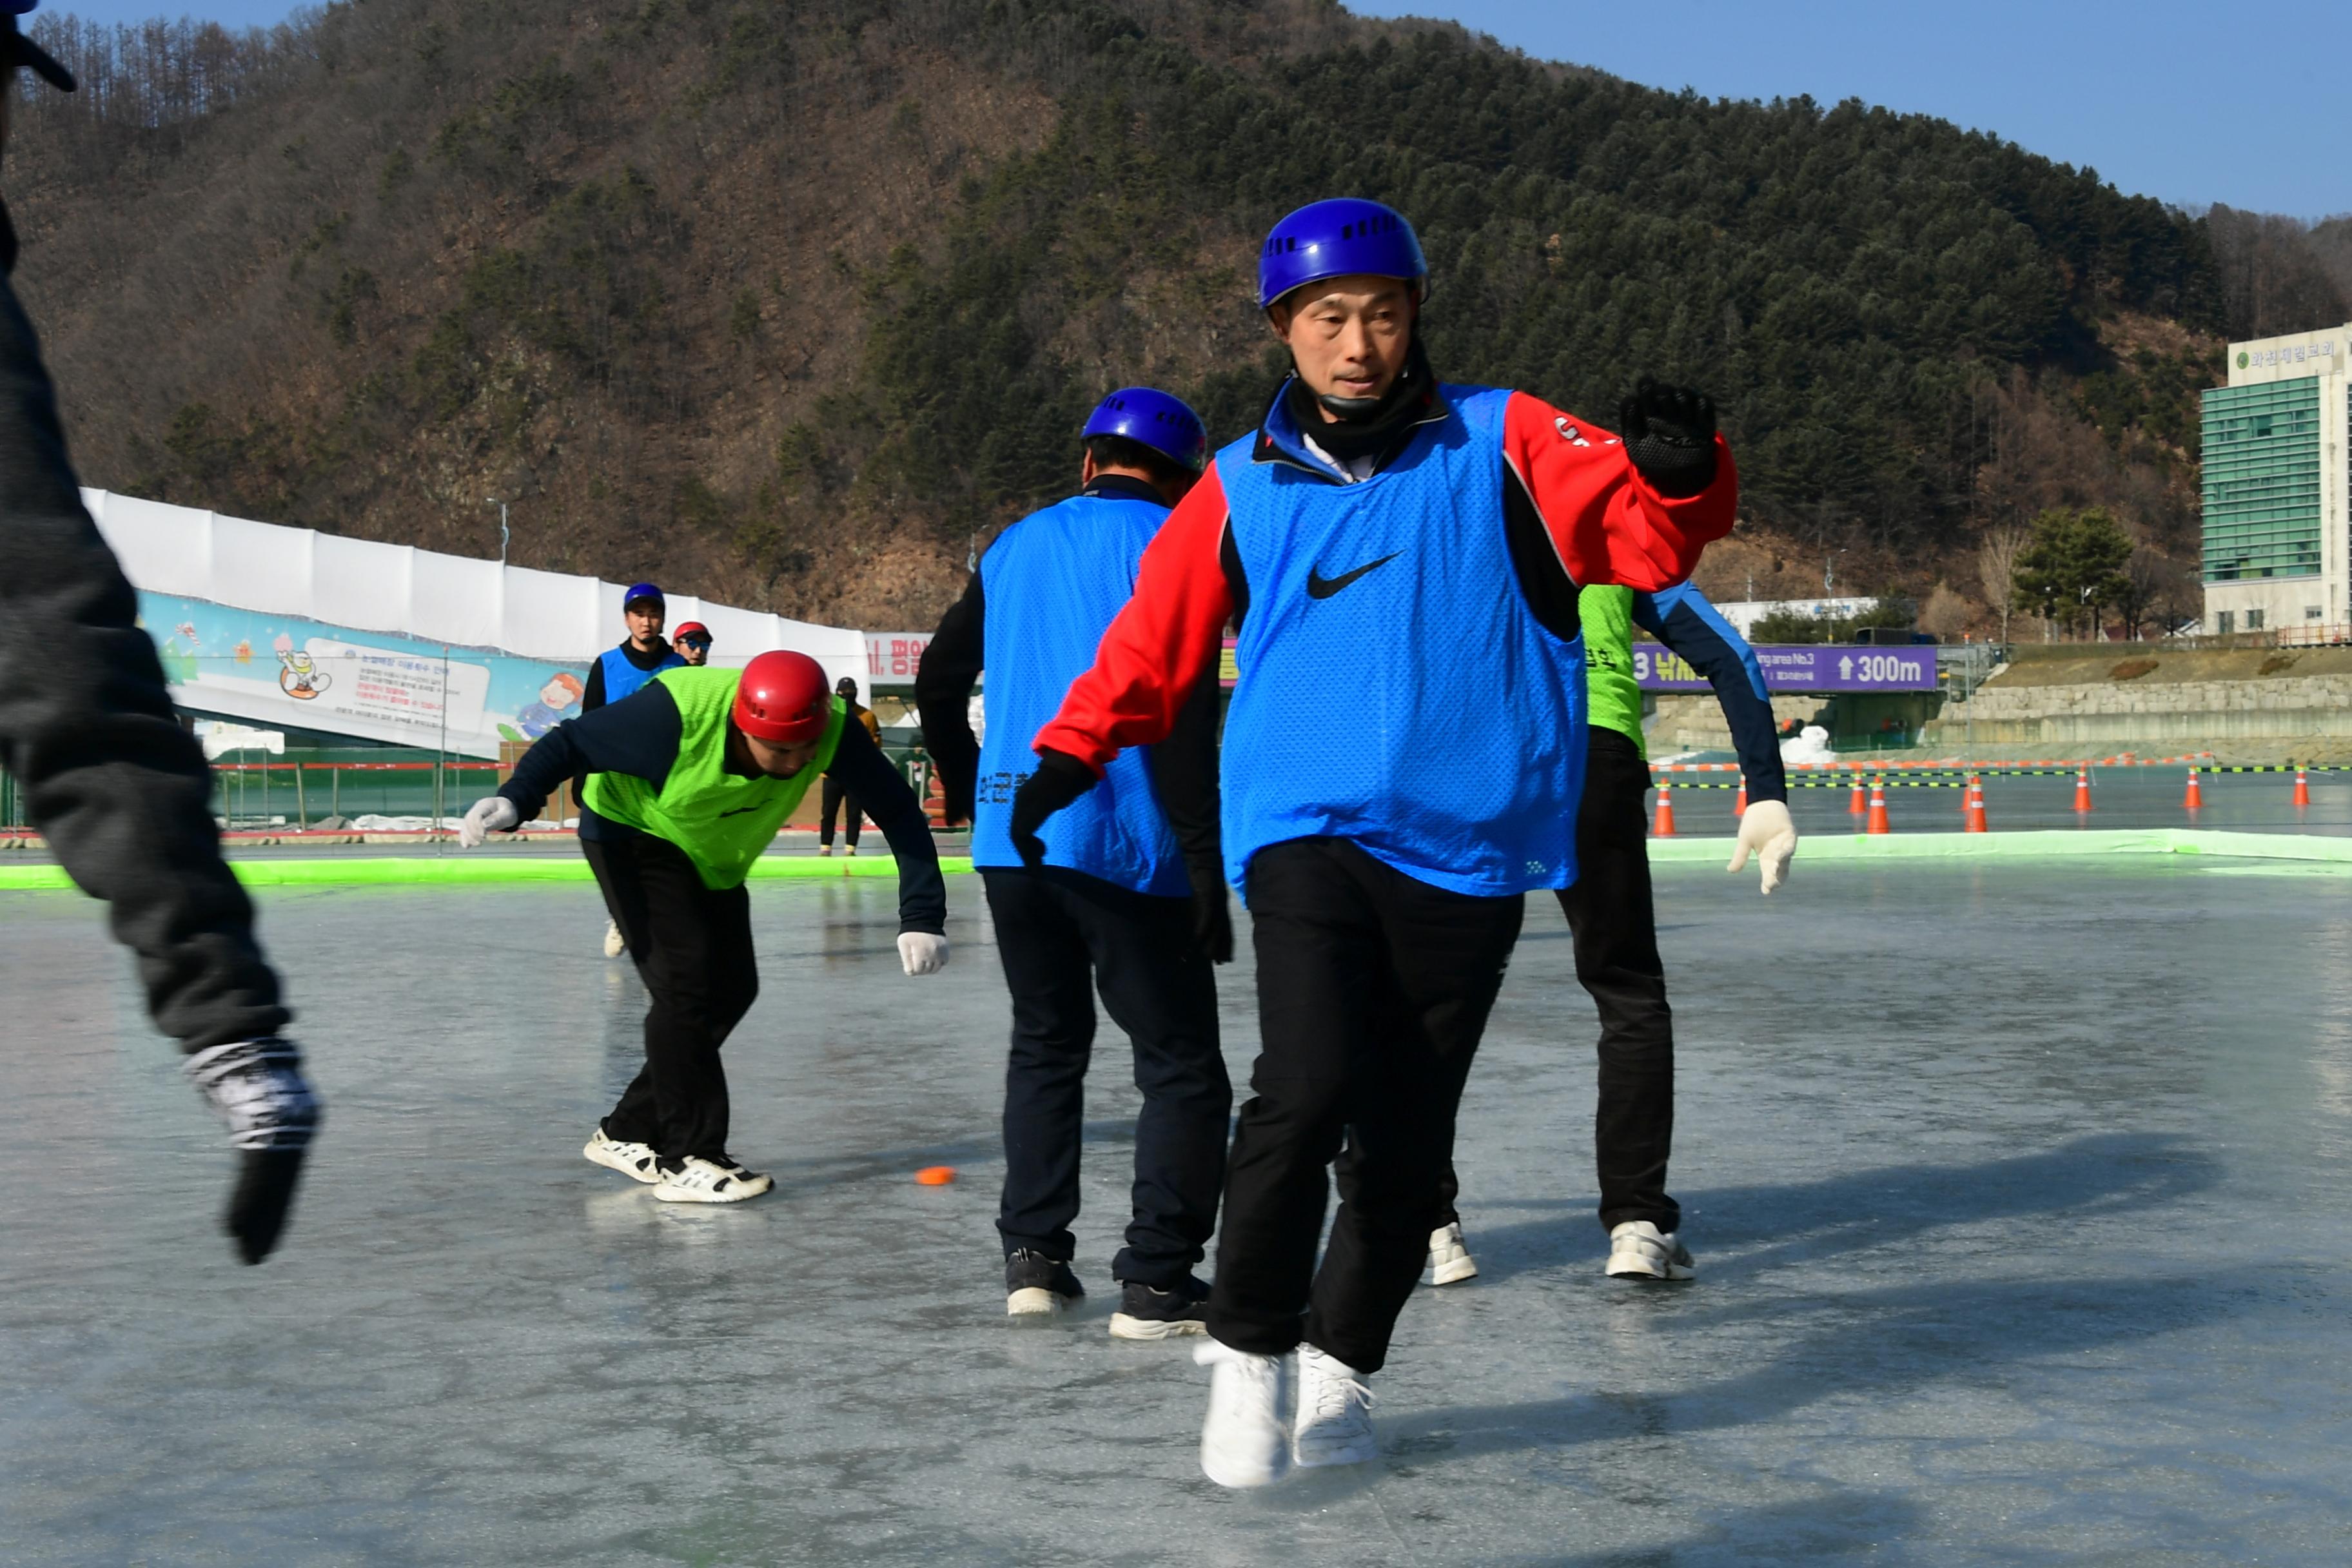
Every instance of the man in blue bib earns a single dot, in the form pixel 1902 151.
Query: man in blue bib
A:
pixel 1131 900
pixel 1383 544
pixel 617 673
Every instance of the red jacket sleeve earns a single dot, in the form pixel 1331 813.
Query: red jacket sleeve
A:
pixel 1607 522
pixel 1158 648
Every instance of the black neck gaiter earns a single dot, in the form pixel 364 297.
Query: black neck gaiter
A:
pixel 1387 427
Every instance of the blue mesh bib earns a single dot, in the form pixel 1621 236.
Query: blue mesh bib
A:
pixel 1395 691
pixel 1052 583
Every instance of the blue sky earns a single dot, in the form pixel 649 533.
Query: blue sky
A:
pixel 2193 103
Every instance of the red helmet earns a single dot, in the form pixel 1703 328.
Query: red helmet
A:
pixel 690 629
pixel 783 699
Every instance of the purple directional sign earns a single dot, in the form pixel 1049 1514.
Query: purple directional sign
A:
pixel 1822 666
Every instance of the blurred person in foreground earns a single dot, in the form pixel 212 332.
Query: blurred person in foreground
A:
pixel 120 790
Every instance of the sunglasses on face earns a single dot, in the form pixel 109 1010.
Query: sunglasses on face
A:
pixel 699 645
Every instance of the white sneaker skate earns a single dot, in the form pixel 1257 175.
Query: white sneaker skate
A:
pixel 1243 1443
pixel 1639 1251
pixel 636 1160
pixel 614 944
pixel 699 1181
pixel 1450 1262
pixel 1335 1414
pixel 824 850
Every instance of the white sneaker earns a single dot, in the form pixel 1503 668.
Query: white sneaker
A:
pixel 1243 1443
pixel 615 945
pixel 824 850
pixel 849 849
pixel 1335 1414
pixel 701 1181
pixel 634 1161
pixel 1639 1251
pixel 1450 1262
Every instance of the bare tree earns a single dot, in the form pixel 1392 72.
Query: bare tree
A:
pixel 1997 569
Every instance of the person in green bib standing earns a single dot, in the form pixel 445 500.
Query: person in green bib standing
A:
pixel 690 778
pixel 1614 923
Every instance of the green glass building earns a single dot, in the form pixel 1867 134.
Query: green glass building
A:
pixel 2277 489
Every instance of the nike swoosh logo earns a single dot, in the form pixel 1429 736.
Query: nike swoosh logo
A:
pixel 1318 586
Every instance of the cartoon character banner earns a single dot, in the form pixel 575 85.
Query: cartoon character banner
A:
pixel 378 686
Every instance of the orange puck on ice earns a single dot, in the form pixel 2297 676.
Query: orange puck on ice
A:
pixel 936 1175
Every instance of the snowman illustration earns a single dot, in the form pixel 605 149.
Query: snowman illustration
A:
pixel 300 676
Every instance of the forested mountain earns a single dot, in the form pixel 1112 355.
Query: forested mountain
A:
pixel 791 303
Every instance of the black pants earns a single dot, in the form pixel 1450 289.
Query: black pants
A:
pixel 1614 925
pixel 1062 936
pixel 692 947
pixel 1373 990
pixel 834 799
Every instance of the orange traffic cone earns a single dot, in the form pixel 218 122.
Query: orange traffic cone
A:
pixel 1665 825
pixel 1739 801
pixel 1856 806
pixel 1877 822
pixel 1975 813
pixel 2081 789
pixel 2302 789
pixel 2195 797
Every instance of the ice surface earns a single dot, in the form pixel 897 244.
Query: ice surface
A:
pixel 2018 1196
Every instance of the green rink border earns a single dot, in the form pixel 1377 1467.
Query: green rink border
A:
pixel 460 869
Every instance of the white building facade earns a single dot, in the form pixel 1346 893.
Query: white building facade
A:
pixel 2278 488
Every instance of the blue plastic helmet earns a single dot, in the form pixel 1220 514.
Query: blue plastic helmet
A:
pixel 1166 424
pixel 1335 238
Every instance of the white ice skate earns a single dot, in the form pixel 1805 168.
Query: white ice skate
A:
pixel 1450 1262
pixel 1639 1251
pixel 1335 1414
pixel 1243 1443
pixel 636 1160
pixel 699 1181
pixel 615 945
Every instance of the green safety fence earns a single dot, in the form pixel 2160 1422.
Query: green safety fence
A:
pixel 496 869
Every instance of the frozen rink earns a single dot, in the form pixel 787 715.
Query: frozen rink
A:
pixel 2019 1195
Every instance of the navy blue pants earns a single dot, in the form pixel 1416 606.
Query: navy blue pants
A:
pixel 1063 936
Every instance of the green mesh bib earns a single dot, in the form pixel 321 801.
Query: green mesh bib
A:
pixel 1613 697
pixel 721 820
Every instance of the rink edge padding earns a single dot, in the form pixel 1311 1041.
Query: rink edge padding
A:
pixel 459 870
pixel 496 869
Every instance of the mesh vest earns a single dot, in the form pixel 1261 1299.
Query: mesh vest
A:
pixel 721 820
pixel 1395 691
pixel 1612 693
pixel 1052 583
pixel 622 678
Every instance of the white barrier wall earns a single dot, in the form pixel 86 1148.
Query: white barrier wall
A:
pixel 291 628
pixel 423 594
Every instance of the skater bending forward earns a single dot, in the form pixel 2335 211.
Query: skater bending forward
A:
pixel 1383 543
pixel 690 778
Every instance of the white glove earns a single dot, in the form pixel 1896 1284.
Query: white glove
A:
pixel 921 952
pixel 1766 832
pixel 492 814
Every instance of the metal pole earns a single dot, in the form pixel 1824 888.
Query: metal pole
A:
pixel 301 810
pixel 441 760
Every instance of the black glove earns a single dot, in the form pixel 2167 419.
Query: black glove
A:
pixel 1670 436
pixel 257 1087
pixel 1213 919
pixel 1060 779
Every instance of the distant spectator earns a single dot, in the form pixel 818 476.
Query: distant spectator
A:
pixel 617 673
pixel 693 643
pixel 835 797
